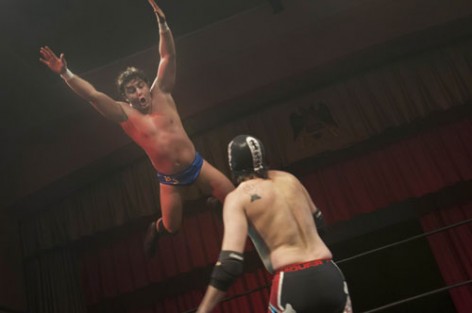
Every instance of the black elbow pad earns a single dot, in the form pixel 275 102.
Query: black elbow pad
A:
pixel 227 269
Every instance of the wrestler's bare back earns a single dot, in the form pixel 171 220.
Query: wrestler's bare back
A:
pixel 280 210
pixel 160 134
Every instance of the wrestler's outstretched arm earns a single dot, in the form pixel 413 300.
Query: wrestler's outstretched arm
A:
pixel 165 78
pixel 104 104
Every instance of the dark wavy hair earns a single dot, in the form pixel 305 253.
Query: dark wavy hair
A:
pixel 128 75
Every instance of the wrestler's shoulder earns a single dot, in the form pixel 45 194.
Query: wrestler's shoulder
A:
pixel 244 188
pixel 235 200
pixel 237 192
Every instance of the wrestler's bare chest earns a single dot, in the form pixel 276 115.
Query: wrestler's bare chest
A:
pixel 141 127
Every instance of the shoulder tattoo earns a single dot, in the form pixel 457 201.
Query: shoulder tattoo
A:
pixel 255 197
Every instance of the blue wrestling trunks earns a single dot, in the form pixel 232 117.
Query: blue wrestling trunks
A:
pixel 314 286
pixel 186 177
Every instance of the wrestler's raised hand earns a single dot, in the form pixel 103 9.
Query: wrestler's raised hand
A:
pixel 158 11
pixel 56 64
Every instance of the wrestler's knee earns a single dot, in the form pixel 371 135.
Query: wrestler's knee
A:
pixel 218 184
pixel 222 189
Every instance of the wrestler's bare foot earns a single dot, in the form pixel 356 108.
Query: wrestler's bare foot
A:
pixel 213 203
pixel 150 240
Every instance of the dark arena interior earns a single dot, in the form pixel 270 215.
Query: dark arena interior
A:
pixel 367 102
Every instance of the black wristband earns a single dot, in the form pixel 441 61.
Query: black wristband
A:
pixel 319 222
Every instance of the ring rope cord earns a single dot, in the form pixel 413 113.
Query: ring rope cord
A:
pixel 422 295
pixel 405 240
pixel 438 230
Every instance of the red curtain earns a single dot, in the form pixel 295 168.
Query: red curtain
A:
pixel 121 268
pixel 411 168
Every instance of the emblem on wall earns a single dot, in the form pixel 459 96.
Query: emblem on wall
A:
pixel 314 121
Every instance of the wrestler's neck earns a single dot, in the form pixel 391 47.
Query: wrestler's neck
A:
pixel 143 110
pixel 249 177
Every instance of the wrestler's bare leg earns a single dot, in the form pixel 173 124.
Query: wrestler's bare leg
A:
pixel 212 181
pixel 172 198
pixel 171 207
